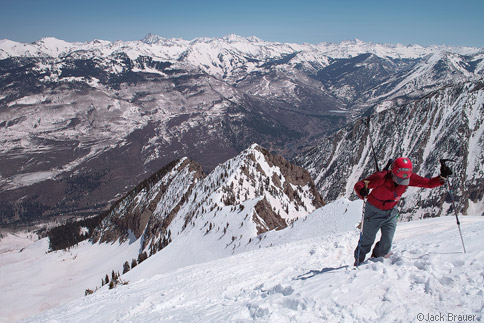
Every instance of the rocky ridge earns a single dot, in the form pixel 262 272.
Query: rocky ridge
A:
pixel 241 199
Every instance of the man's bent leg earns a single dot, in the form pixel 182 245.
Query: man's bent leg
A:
pixel 370 229
pixel 383 247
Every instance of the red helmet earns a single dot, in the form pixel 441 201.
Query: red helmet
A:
pixel 401 170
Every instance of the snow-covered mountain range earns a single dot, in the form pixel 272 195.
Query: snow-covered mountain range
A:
pixel 83 123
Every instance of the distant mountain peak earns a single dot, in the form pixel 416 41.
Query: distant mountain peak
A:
pixel 152 39
pixel 237 38
pixel 50 39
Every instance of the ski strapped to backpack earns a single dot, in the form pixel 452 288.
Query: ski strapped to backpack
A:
pixel 371 143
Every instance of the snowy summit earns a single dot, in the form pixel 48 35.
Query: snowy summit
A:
pixel 302 273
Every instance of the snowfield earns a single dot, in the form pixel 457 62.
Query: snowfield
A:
pixel 303 273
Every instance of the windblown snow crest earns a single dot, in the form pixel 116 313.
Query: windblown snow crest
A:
pixel 240 199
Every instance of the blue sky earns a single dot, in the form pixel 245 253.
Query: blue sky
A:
pixel 424 22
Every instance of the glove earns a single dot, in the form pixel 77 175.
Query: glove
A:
pixel 445 171
pixel 364 192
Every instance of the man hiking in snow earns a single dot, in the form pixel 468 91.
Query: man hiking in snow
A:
pixel 380 211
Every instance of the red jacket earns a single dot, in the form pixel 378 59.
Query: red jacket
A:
pixel 385 193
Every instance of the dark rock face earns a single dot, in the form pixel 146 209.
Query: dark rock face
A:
pixel 270 219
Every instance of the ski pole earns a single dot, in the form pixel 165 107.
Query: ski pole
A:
pixel 442 162
pixel 456 217
pixel 361 227
pixel 361 232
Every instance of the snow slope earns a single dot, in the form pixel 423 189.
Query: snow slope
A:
pixel 33 280
pixel 302 273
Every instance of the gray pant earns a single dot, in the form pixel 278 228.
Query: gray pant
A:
pixel 376 219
